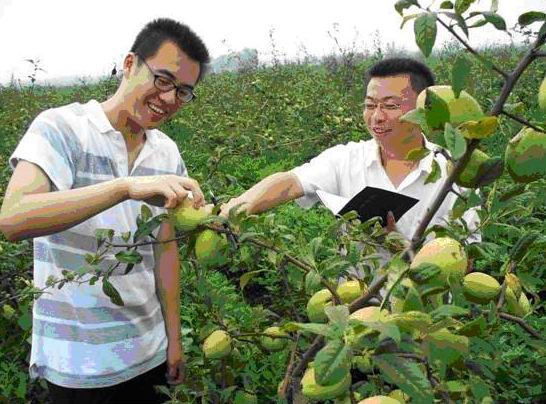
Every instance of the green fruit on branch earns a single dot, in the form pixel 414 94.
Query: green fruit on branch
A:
pixel 447 254
pixel 525 156
pixel 186 216
pixel 211 249
pixel 542 95
pixel 217 345
pixel 371 313
pixel 410 321
pixel 317 304
pixel 470 175
pixel 462 109
pixel 480 288
pixel 524 304
pixel 242 397
pixel 274 344
pixel 350 291
pixel 311 389
pixel 379 400
pixel 513 282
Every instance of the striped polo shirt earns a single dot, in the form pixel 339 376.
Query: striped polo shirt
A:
pixel 79 338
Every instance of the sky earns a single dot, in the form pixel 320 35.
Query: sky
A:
pixel 83 38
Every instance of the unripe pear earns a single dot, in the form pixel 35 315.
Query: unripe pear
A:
pixel 274 344
pixel 542 95
pixel 211 249
pixel 525 156
pixel 186 216
pixel 379 400
pixel 447 254
pixel 311 389
pixel 469 176
pixel 350 291
pixel 217 345
pixel 480 288
pixel 514 283
pixel 462 109
pixel 317 304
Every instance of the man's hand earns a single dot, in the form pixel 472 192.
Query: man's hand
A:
pixel 391 223
pixel 176 364
pixel 164 190
pixel 226 207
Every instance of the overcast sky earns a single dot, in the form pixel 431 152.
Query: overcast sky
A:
pixel 86 38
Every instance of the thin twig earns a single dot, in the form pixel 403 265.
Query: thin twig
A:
pixel 521 323
pixel 291 363
pixel 500 302
pixel 522 121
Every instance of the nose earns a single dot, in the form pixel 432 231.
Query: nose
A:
pixel 169 97
pixel 378 115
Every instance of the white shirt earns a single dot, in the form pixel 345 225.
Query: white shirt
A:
pixel 79 338
pixel 346 169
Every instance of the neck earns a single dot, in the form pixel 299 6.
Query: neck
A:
pixel 120 119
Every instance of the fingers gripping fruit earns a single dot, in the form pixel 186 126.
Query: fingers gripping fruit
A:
pixel 186 216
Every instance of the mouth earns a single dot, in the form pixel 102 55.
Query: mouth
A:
pixel 381 131
pixel 156 110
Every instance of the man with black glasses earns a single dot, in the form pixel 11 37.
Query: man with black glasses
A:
pixel 82 167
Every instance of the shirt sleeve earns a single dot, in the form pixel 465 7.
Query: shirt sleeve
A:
pixel 50 144
pixel 321 173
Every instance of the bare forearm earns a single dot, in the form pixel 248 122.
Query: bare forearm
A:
pixel 41 214
pixel 168 289
pixel 270 192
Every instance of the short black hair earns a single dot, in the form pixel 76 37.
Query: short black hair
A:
pixel 156 32
pixel 421 76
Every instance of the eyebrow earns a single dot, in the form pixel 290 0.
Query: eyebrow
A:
pixel 390 97
pixel 167 73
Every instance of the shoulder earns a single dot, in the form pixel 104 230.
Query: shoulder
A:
pixel 164 142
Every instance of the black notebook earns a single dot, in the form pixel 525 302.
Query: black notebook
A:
pixel 368 203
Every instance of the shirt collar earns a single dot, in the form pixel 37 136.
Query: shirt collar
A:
pixel 425 164
pixel 98 117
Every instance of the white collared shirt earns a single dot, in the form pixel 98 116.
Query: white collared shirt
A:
pixel 346 169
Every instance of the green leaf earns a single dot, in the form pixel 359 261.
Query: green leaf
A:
pixel 496 20
pixel 447 5
pixel 494 6
pixel 407 375
pixel 474 328
pixel 448 310
pixel 531 17
pixel 332 363
pixel 401 5
pixel 522 245
pixel 459 74
pixel 337 315
pixel 102 234
pixel 413 301
pixel 247 277
pixel 425 32
pixel 125 236
pixel 512 192
pixel 129 257
pixel 417 154
pixel 424 272
pixel 146 228
pixel 314 328
pixel 312 281
pixel 455 142
pixel 417 116
pixel 110 291
pixel 145 212
pixel 435 174
pixel 462 5
pixel 445 346
pixel 408 18
pixel 437 111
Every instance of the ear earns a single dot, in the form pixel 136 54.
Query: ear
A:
pixel 129 63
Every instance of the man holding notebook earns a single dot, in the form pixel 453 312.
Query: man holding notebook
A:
pixel 346 169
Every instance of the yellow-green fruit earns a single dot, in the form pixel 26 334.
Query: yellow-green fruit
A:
pixel 480 288
pixel 217 345
pixel 317 304
pixel 242 397
pixel 379 400
pixel 274 344
pixel 350 291
pixel 524 305
pixel 525 156
pixel 311 389
pixel 542 95
pixel 447 254
pixel 211 249
pixel 469 176
pixel 410 321
pixel 512 304
pixel 186 216
pixel 464 108
pixel 399 396
pixel 370 313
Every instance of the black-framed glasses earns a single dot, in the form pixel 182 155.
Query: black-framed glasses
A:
pixel 164 84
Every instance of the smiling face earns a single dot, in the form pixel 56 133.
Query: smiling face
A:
pixel 387 99
pixel 146 106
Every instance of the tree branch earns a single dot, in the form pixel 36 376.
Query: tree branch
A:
pixel 522 121
pixel 521 323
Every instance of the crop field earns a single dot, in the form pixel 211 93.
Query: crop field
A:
pixel 251 123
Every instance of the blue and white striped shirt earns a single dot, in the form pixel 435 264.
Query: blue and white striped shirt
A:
pixel 79 338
